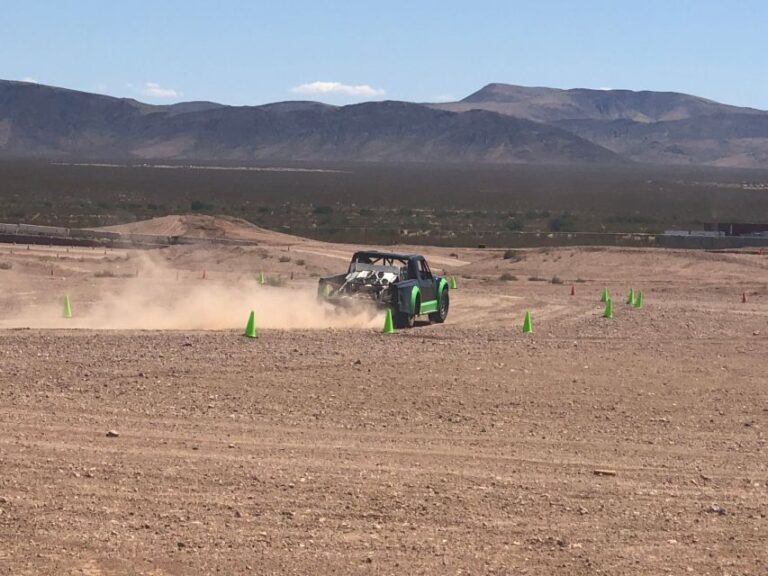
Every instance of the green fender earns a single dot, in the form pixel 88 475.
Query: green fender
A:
pixel 415 291
pixel 441 285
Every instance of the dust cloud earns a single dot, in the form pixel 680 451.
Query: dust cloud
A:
pixel 156 300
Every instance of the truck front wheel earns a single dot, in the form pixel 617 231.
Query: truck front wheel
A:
pixel 442 309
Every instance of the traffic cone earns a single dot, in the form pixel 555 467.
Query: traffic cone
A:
pixel 453 283
pixel 262 279
pixel 639 299
pixel 389 327
pixel 604 296
pixel 743 297
pixel 608 309
pixel 67 308
pixel 527 323
pixel 250 328
pixel 631 297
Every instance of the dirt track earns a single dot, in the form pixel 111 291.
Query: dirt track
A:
pixel 464 448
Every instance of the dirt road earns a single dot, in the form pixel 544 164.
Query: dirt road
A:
pixel 627 446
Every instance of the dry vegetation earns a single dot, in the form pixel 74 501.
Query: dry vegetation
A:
pixel 420 204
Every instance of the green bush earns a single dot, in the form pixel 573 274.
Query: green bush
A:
pixel 199 206
pixel 514 225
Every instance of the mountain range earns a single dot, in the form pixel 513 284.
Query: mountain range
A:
pixel 500 123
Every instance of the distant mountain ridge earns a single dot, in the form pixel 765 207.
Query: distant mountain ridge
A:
pixel 645 126
pixel 40 121
pixel 552 104
pixel 501 123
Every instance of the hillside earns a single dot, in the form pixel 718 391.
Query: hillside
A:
pixel 649 127
pixel 552 104
pixel 500 124
pixel 44 122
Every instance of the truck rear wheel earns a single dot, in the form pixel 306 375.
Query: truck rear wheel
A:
pixel 403 320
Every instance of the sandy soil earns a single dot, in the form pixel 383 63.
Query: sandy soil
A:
pixel 634 445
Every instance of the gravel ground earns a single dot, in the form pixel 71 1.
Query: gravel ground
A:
pixel 627 446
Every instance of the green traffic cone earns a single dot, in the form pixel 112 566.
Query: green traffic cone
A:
pixel 631 297
pixel 453 283
pixel 604 296
pixel 639 299
pixel 527 323
pixel 608 309
pixel 262 278
pixel 389 327
pixel 67 308
pixel 250 328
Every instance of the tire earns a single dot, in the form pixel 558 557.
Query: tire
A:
pixel 442 309
pixel 405 320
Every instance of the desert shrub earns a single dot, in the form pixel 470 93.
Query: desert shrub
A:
pixel 556 280
pixel 514 225
pixel 6 265
pixel 275 281
pixel 283 259
pixel 507 277
pixel 301 262
pixel 513 255
pixel 566 222
pixel 104 274
pixel 580 280
pixel 323 210
pixel 536 279
pixel 200 206
pixel 533 214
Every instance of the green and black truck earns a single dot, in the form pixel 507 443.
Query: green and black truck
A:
pixel 402 282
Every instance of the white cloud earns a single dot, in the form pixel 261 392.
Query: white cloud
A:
pixel 156 91
pixel 338 88
pixel 445 98
pixel 28 79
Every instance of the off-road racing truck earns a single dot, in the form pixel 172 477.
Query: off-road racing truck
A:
pixel 402 282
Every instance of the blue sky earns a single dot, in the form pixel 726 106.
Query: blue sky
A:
pixel 252 52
